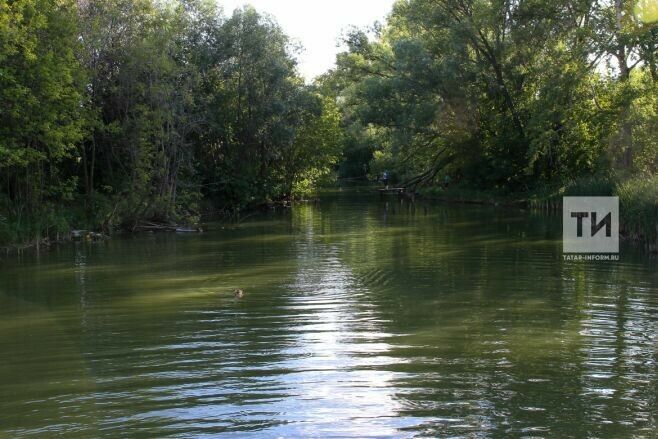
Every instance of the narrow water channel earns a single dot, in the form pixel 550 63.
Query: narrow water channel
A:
pixel 361 317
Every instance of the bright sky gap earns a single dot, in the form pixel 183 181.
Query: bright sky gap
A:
pixel 317 25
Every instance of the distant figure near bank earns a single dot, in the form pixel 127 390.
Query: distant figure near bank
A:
pixel 385 178
pixel 446 182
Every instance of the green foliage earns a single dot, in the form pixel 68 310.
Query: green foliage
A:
pixel 40 92
pixel 252 110
pixel 638 203
pixel 519 95
pixel 532 100
pixel 127 111
pixel 315 150
pixel 124 111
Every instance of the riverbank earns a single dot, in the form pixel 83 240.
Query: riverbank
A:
pixel 17 237
pixel 37 244
pixel 638 210
pixel 638 202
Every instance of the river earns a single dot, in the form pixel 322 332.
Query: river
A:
pixel 361 317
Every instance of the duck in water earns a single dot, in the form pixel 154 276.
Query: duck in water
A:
pixel 238 293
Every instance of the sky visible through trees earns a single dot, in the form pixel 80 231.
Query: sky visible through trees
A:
pixel 317 25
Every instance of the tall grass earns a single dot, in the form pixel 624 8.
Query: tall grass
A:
pixel 549 196
pixel 20 230
pixel 638 203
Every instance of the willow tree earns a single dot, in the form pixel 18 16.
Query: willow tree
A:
pixel 249 88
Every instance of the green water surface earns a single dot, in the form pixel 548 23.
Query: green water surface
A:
pixel 361 317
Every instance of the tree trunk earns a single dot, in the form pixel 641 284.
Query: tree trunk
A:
pixel 626 127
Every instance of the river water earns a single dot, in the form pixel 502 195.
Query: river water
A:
pixel 361 317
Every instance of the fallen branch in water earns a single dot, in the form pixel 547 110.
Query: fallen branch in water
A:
pixel 149 226
pixel 164 227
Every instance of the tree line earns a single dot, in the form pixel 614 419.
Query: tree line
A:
pixel 506 95
pixel 119 112
pixel 116 112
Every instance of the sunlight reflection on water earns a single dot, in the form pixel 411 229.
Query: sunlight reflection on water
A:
pixel 359 319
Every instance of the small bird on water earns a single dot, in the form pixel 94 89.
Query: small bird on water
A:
pixel 238 293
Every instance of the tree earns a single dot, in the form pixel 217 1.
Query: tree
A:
pixel 507 94
pixel 315 149
pixel 40 97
